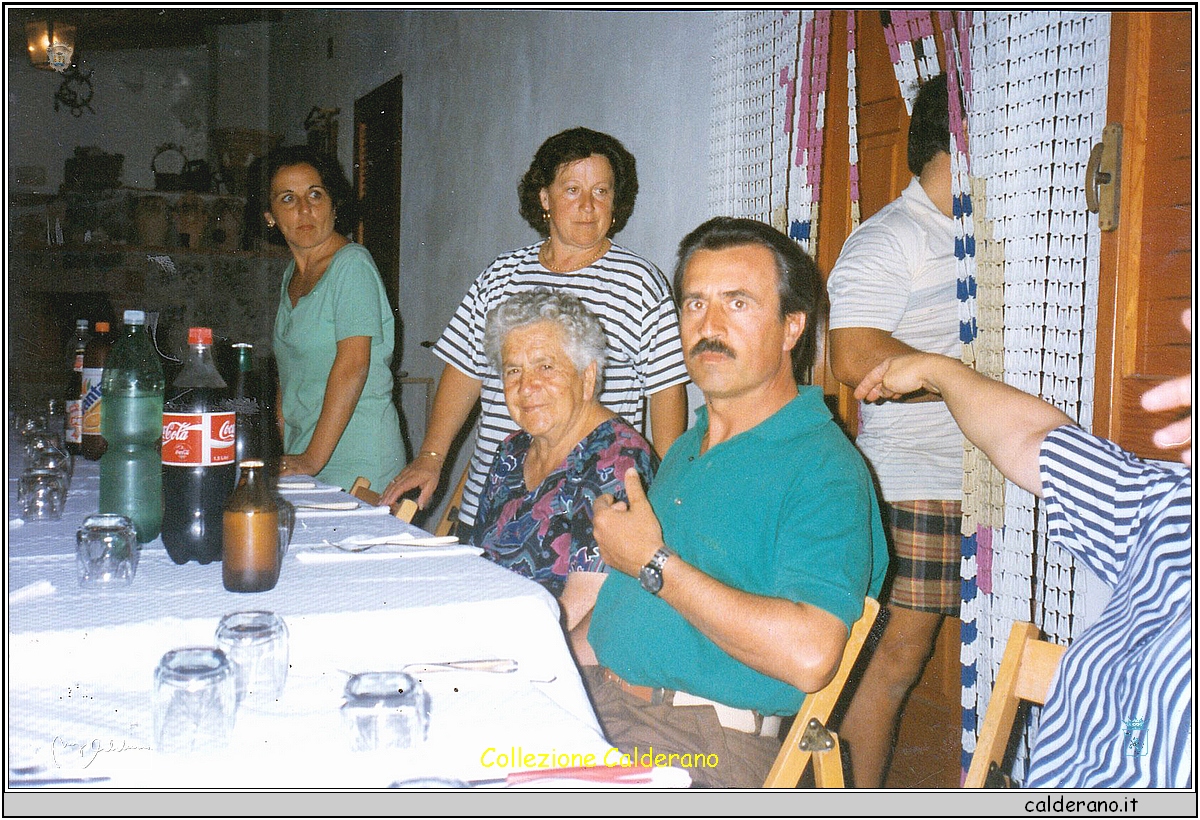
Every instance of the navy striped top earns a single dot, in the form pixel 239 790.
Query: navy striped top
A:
pixel 1119 711
pixel 633 301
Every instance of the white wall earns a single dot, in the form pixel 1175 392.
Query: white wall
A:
pixel 241 76
pixel 482 90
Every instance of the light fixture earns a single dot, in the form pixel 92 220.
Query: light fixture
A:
pixel 51 44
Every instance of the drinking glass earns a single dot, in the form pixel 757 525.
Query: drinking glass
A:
pixel 385 710
pixel 106 550
pixel 38 441
pixel 287 522
pixel 41 495
pixel 195 700
pixel 30 422
pixel 53 458
pixel 55 414
pixel 256 643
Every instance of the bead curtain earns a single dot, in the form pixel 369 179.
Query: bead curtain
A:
pixel 1037 104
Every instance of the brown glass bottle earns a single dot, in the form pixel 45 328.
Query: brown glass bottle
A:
pixel 74 426
pixel 251 553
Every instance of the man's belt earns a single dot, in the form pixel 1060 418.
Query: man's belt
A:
pixel 740 720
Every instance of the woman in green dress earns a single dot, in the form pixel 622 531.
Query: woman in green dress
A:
pixel 334 332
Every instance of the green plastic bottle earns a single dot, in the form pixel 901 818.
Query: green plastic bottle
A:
pixel 131 421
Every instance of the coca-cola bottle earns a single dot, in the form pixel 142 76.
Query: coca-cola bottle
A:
pixel 95 354
pixel 74 428
pixel 197 455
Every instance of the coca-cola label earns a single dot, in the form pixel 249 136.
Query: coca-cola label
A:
pixel 198 439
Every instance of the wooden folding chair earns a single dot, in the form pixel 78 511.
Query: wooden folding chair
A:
pixel 1026 669
pixel 809 739
pixel 404 509
pixel 449 523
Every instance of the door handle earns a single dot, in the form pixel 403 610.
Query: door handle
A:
pixel 1102 184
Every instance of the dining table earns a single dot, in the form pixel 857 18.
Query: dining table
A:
pixel 81 661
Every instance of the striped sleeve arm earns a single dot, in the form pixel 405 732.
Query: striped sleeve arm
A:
pixel 1093 492
pixel 461 343
pixel 662 354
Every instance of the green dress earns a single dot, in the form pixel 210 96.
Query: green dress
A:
pixel 348 300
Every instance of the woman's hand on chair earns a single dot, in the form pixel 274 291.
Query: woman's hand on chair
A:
pixel 424 471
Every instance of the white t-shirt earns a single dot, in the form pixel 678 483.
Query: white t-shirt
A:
pixel 633 301
pixel 897 273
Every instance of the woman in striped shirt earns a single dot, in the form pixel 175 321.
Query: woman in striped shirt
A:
pixel 578 193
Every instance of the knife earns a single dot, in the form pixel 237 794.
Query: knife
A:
pixel 501 665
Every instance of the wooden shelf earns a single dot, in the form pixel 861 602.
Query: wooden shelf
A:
pixel 108 249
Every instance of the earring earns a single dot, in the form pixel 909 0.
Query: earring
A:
pixel 270 223
pixel 545 216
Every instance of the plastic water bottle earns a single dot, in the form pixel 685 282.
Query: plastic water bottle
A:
pixel 198 455
pixel 131 422
pixel 74 430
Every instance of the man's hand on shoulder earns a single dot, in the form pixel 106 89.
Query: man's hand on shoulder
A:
pixel 628 533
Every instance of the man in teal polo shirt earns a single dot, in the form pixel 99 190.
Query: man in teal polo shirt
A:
pixel 735 584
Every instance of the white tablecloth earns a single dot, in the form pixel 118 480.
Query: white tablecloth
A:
pixel 81 662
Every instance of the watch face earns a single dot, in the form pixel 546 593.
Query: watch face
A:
pixel 651 579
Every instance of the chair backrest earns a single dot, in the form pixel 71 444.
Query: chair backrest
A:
pixel 1025 672
pixel 449 523
pixel 404 509
pixel 791 761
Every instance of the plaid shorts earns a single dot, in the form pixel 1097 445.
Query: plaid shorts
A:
pixel 926 555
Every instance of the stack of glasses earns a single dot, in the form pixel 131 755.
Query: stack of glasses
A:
pixel 42 487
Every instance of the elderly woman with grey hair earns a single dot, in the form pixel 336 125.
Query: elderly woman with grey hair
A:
pixel 535 511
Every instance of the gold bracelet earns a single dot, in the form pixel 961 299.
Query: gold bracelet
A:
pixel 438 456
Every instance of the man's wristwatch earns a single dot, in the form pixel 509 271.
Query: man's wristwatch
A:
pixel 650 575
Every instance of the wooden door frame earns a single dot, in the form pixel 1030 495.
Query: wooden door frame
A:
pixel 388 96
pixel 1124 367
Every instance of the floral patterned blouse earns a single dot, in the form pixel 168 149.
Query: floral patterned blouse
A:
pixel 547 533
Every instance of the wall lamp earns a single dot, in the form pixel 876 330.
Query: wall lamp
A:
pixel 51 44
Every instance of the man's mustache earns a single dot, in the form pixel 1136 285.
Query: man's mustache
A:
pixel 711 346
